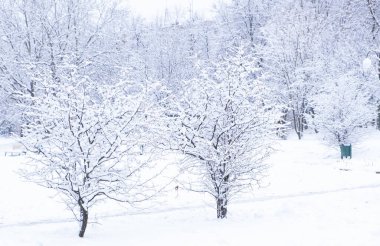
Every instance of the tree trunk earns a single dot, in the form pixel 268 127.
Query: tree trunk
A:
pixel 378 118
pixel 282 128
pixel 221 209
pixel 378 107
pixel 297 124
pixel 221 201
pixel 299 135
pixel 83 219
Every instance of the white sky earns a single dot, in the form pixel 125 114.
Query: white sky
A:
pixel 149 9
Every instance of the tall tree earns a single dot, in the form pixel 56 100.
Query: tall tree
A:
pixel 225 125
pixel 84 140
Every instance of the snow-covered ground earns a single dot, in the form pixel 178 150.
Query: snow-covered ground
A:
pixel 309 197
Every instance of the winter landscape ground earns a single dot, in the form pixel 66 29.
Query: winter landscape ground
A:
pixel 308 197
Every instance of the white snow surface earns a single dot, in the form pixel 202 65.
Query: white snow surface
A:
pixel 308 197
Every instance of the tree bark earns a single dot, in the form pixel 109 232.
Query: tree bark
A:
pixel 378 118
pixel 221 202
pixel 297 124
pixel 378 107
pixel 221 209
pixel 83 219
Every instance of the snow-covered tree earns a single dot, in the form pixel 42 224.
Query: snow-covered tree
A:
pixel 344 96
pixel 290 54
pixel 242 19
pixel 341 109
pixel 373 11
pixel 225 125
pixel 46 34
pixel 84 141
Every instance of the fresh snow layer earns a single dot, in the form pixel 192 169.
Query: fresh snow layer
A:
pixel 307 197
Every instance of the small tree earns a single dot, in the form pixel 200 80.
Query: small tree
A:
pixel 341 109
pixel 225 124
pixel 84 139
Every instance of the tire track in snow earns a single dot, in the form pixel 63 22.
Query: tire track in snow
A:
pixel 259 199
pixel 310 193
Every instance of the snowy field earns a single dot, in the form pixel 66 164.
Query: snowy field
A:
pixel 309 197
